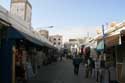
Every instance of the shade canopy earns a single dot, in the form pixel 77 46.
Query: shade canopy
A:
pixel 24 28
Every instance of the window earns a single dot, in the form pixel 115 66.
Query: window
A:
pixel 59 43
pixel 54 43
pixel 123 40
pixel 54 39
pixel 59 39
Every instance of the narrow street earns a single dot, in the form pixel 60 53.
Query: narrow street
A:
pixel 87 35
pixel 60 72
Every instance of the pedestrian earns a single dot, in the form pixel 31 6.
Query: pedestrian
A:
pixel 29 69
pixel 112 71
pixel 97 67
pixel 92 68
pixel 20 73
pixel 88 68
pixel 102 68
pixel 87 61
pixel 76 62
pixel 61 56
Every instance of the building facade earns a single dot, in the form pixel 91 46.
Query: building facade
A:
pixel 74 45
pixel 44 33
pixel 22 8
pixel 56 40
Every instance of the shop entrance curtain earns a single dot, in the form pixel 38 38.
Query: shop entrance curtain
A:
pixel 100 46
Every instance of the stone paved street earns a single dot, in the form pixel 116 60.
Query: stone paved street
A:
pixel 61 72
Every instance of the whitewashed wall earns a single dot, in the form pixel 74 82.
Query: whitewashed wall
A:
pixel 28 14
pixel 18 9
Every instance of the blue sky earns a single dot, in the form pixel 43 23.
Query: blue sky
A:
pixel 73 18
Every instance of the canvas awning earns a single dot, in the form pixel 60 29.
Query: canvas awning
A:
pixel 111 39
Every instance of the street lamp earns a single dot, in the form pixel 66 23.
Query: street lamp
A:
pixel 103 34
pixel 105 49
pixel 50 26
pixel 39 28
pixel 43 28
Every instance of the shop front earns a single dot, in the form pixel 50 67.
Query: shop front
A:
pixel 18 48
pixel 115 53
pixel 18 53
pixel 120 58
pixel 5 59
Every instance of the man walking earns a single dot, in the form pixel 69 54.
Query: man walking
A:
pixel 97 67
pixel 76 62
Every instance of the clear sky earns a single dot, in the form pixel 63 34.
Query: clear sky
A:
pixel 74 18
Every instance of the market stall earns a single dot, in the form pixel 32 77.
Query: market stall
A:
pixel 18 48
pixel 114 49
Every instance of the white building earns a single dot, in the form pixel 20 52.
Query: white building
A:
pixel 21 8
pixel 74 45
pixel 56 40
pixel 44 33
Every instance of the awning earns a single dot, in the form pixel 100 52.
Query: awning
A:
pixel 22 27
pixel 31 39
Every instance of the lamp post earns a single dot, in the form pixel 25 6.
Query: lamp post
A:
pixel 39 28
pixel 103 31
pixel 103 34
pixel 44 31
pixel 50 26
